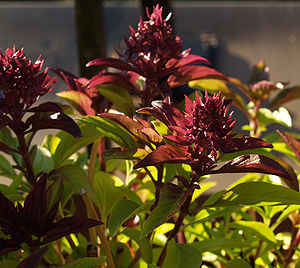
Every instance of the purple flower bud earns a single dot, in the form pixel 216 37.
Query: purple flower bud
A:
pixel 21 82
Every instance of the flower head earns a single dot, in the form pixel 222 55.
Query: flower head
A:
pixel 21 82
pixel 154 53
pixel 203 131
pixel 152 44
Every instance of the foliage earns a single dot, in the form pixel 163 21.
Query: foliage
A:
pixel 137 197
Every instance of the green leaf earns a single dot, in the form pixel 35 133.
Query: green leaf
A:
pixel 161 128
pixel 121 212
pixel 106 192
pixel 283 148
pixel 9 263
pixel 206 215
pixel 75 177
pixel 120 251
pixel 88 262
pixel 120 97
pixel 257 228
pixel 267 117
pixel 169 202
pixel 51 142
pixel 42 161
pixel 258 194
pixel 143 243
pixel 218 244
pixel 238 263
pixel 69 145
pixel 6 168
pixel 111 130
pixel 7 138
pixel 285 213
pixel 182 256
pixel 10 193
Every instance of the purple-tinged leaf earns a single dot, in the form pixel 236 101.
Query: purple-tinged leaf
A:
pixel 286 95
pixel 189 73
pixel 164 112
pixel 111 62
pixel 36 199
pixel 46 107
pixel 62 122
pixel 262 89
pixel 34 258
pixel 244 143
pixel 239 85
pixel 163 154
pixel 68 226
pixel 67 77
pixel 7 209
pixel 189 59
pixel 112 79
pixel 151 135
pixel 176 139
pixel 252 163
pixel 79 101
pixel 292 143
pixel 133 77
pixel 143 122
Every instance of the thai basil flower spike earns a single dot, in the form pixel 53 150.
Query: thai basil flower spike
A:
pixel 259 89
pixel 21 85
pixel 154 53
pixel 203 133
pixel 35 223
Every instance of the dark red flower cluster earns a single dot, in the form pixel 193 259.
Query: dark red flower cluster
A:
pixel 152 44
pixel 153 52
pixel 21 81
pixel 199 134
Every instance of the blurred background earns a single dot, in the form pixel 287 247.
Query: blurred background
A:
pixel 233 35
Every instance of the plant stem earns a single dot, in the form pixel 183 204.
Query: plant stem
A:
pixel 62 259
pixel 99 228
pixel 93 158
pixel 182 214
pixel 135 259
pixel 29 174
